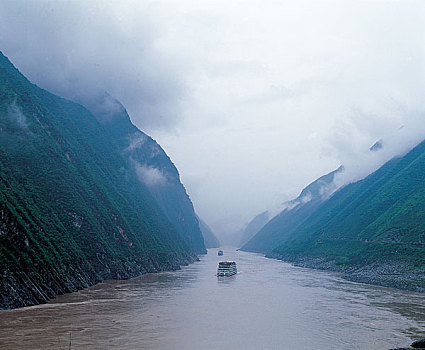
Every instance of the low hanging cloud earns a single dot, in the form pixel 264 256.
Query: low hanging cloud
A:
pixel 327 190
pixel 291 205
pixel 252 100
pixel 16 115
pixel 18 122
pixel 150 175
pixel 75 48
pixel 359 159
pixel 136 141
pixel 106 108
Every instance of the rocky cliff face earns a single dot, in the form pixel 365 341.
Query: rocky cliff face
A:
pixel 73 208
pixel 153 168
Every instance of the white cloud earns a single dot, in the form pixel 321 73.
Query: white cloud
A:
pixel 15 113
pixel 19 122
pixel 150 175
pixel 252 99
pixel 136 141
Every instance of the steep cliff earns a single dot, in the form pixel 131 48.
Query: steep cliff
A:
pixel 373 229
pixel 296 211
pixel 73 210
pixel 152 166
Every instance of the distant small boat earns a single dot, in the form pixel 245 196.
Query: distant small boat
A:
pixel 226 268
pixel 220 252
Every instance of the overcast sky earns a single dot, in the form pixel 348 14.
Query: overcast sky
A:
pixel 252 100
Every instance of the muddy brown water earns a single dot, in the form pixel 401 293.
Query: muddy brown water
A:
pixel 269 304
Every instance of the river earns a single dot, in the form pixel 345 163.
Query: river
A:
pixel 269 304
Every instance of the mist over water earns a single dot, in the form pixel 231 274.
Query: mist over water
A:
pixel 268 305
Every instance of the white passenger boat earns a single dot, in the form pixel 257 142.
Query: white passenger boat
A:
pixel 226 268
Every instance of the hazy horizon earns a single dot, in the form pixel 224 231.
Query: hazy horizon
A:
pixel 251 100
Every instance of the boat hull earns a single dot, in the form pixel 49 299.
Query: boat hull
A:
pixel 226 274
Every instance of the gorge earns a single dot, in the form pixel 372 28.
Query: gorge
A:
pixel 82 198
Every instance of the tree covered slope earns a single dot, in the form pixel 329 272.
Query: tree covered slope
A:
pixel 73 210
pixel 378 221
pixel 153 168
pixel 279 228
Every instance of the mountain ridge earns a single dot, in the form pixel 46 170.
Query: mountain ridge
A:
pixel 153 167
pixel 73 210
pixel 372 230
pixel 280 227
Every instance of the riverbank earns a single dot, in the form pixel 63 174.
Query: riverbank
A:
pixel 393 275
pixel 23 289
pixel 267 305
pixel 418 344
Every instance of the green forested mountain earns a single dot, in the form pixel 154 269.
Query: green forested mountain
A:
pixel 279 228
pixel 379 217
pixel 153 168
pixel 373 229
pixel 73 210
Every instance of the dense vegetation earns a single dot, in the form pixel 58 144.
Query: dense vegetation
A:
pixel 378 219
pixel 73 210
pixel 153 167
pixel 279 228
pixel 373 229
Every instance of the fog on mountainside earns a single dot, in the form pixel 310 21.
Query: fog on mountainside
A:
pixel 375 156
pixel 251 100
pixel 276 230
pixel 152 166
pixel 295 129
pixel 74 210
pixel 371 229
